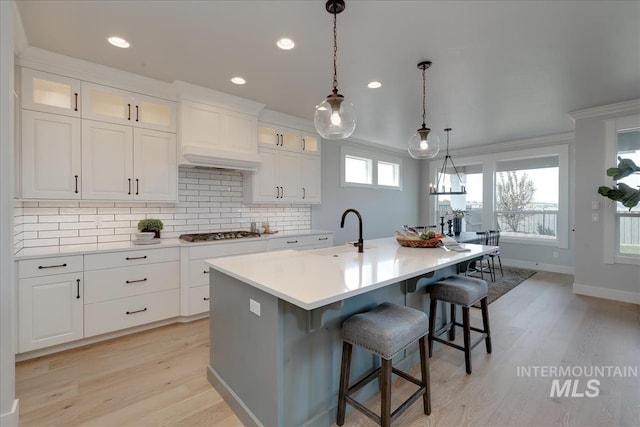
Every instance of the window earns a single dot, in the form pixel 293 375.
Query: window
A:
pixel 357 170
pixel 527 197
pixel 388 174
pixel 370 169
pixel 471 203
pixel 623 141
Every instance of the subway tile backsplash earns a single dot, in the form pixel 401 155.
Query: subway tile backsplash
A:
pixel 209 200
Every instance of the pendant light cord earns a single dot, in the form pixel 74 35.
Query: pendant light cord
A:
pixel 335 52
pixel 424 97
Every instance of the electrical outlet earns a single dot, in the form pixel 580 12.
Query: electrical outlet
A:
pixel 254 307
pixel 595 217
pixel 595 205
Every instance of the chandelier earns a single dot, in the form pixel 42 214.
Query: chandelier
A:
pixel 440 188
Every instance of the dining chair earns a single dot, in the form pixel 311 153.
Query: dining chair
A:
pixel 493 239
pixel 476 265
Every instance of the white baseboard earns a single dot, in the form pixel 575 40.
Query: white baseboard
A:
pixel 607 293
pixel 553 268
pixel 10 419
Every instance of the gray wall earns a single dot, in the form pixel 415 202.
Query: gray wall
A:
pixel 7 361
pixel 590 269
pixel 383 211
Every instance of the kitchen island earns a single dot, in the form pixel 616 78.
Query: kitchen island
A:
pixel 275 322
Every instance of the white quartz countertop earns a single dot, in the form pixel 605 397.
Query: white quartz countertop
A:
pixel 50 251
pixel 315 278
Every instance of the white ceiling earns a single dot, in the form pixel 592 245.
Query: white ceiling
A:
pixel 502 70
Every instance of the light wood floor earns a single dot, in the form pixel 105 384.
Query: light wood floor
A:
pixel 157 377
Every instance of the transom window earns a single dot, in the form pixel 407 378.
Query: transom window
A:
pixel 370 169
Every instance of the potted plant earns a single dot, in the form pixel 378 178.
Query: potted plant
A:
pixel 457 214
pixel 151 225
pixel 628 196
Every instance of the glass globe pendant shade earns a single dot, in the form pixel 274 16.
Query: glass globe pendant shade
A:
pixel 424 144
pixel 335 118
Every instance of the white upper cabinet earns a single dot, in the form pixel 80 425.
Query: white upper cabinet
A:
pixel 310 143
pixel 105 103
pixel 50 156
pixel 50 93
pixel 285 138
pixel 310 178
pixel 123 163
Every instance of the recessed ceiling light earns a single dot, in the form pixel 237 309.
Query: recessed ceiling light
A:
pixel 374 85
pixel 118 42
pixel 285 43
pixel 238 80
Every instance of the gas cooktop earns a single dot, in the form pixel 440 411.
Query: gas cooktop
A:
pixel 221 235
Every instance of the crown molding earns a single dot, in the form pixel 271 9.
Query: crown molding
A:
pixel 191 92
pixel 20 41
pixel 603 110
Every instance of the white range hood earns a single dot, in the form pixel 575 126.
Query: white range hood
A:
pixel 216 129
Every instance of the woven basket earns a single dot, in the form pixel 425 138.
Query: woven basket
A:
pixel 417 242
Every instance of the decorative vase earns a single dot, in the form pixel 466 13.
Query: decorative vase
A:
pixel 457 226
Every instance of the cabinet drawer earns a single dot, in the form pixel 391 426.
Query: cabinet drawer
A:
pixel 198 273
pixel 299 242
pixel 129 281
pixel 49 266
pixel 107 316
pixel 199 300
pixel 127 258
pixel 226 249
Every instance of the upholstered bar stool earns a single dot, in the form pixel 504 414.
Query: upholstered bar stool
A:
pixel 386 330
pixel 464 291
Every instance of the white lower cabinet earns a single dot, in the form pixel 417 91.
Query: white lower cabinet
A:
pixel 50 306
pixel 130 288
pixel 199 299
pixel 299 243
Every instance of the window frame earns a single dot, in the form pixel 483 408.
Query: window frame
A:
pixel 612 253
pixel 375 158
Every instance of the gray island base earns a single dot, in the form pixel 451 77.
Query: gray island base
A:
pixel 281 367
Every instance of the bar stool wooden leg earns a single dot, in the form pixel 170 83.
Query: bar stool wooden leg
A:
pixel 432 324
pixel 452 330
pixel 344 381
pixel 424 368
pixel 385 419
pixel 467 338
pixel 485 323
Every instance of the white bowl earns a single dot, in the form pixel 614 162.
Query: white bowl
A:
pixel 145 236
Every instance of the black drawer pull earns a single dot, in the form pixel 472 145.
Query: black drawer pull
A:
pixel 76 107
pixel 40 267
pixel 129 179
pixel 136 281
pixel 292 241
pixel 323 238
pixel 76 176
pixel 137 311
pixel 77 288
pixel 129 258
pixel 205 272
pixel 129 107
pixel 137 186
pixel 206 299
pixel 137 114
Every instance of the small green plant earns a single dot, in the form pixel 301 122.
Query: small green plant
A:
pixel 150 225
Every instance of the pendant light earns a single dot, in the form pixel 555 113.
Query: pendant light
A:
pixel 424 144
pixel 434 191
pixel 335 117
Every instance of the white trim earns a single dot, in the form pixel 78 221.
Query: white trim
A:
pixel 191 92
pixel 606 293
pixel 281 119
pixel 10 419
pixel 553 268
pixel 620 107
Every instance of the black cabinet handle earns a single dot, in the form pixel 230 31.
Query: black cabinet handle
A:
pixel 281 192
pixel 323 238
pixel 40 267
pixel 206 298
pixel 137 311
pixel 136 281
pixel 129 179
pixel 76 107
pixel 77 288
pixel 304 192
pixel 137 114
pixel 137 186
pixel 76 177
pixel 292 241
pixel 205 272
pixel 135 257
pixel 304 144
pixel 129 107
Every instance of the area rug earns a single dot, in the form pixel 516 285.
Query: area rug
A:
pixel 512 277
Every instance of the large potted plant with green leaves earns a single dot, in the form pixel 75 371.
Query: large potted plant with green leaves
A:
pixel 151 225
pixel 621 192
